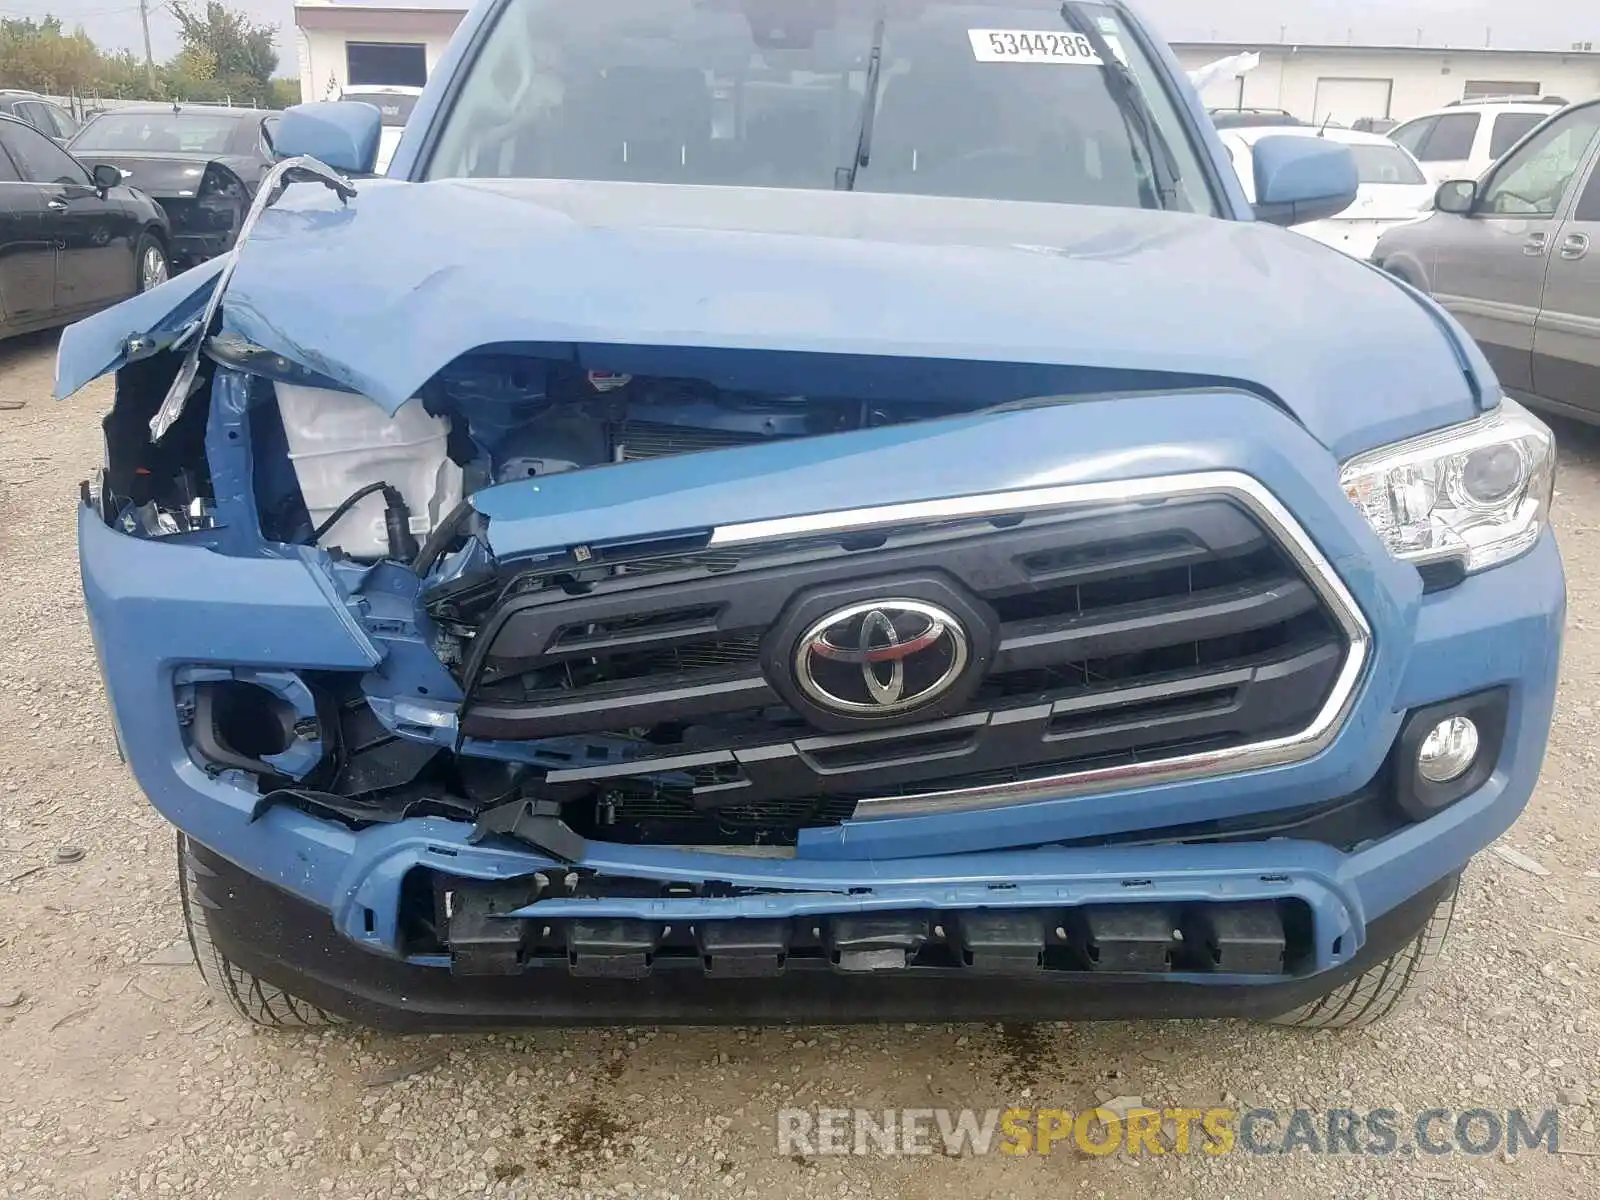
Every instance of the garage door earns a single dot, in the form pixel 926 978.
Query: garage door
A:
pixel 1348 100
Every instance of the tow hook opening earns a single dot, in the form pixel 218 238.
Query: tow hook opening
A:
pixel 240 725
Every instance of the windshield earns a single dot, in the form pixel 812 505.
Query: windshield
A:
pixel 199 133
pixel 1385 164
pixel 986 99
pixel 395 106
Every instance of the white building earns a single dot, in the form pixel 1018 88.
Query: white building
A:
pixel 361 41
pixel 346 41
pixel 1349 82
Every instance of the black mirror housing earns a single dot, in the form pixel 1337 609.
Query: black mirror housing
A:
pixel 106 176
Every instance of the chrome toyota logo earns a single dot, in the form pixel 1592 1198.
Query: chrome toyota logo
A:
pixel 882 657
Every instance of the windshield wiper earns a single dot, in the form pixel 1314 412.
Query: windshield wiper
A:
pixel 1129 99
pixel 844 178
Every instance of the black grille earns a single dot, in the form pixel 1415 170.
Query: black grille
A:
pixel 1120 635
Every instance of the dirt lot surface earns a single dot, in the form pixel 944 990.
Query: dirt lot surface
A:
pixel 122 1079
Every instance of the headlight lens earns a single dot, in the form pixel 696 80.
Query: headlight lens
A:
pixel 1478 493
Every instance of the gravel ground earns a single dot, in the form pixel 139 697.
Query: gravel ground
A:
pixel 126 1081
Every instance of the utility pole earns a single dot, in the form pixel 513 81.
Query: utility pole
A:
pixel 149 59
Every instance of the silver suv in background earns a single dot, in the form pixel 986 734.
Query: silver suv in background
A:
pixel 1514 257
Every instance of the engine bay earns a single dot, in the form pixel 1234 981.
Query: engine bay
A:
pixel 280 463
pixel 524 418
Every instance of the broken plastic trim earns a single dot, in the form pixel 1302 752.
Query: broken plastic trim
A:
pixel 357 812
pixel 301 169
pixel 536 822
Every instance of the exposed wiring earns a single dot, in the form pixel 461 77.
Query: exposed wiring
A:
pixel 396 519
pixel 443 533
pixel 349 502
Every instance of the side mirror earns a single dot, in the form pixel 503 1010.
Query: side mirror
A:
pixel 343 134
pixel 1301 179
pixel 106 176
pixel 1457 196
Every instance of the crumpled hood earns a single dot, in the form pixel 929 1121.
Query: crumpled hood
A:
pixel 381 294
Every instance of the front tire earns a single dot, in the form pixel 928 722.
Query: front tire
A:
pixel 256 1001
pixel 1388 988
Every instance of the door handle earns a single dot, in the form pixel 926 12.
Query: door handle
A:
pixel 56 204
pixel 1574 245
pixel 1535 244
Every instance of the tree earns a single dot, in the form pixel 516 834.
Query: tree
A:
pixel 122 76
pixel 225 56
pixel 239 50
pixel 192 75
pixel 40 56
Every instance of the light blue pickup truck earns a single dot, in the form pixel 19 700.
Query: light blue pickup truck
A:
pixel 775 510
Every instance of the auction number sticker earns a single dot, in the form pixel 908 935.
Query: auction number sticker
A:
pixel 1031 45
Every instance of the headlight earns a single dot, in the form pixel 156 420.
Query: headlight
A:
pixel 1478 493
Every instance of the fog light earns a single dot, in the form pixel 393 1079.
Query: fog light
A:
pixel 1449 750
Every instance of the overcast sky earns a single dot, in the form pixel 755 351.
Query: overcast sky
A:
pixel 1535 24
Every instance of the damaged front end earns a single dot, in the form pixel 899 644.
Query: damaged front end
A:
pixel 623 654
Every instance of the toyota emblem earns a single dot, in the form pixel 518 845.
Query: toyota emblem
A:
pixel 881 658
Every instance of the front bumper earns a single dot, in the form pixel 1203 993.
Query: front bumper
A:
pixel 154 607
pixel 288 942
pixel 160 607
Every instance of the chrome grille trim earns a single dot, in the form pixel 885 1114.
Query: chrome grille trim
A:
pixel 1237 486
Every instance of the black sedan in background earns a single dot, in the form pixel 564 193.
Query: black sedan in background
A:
pixel 201 162
pixel 73 238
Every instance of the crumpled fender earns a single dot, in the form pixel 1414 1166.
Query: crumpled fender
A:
pixel 140 326
pixel 160 320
